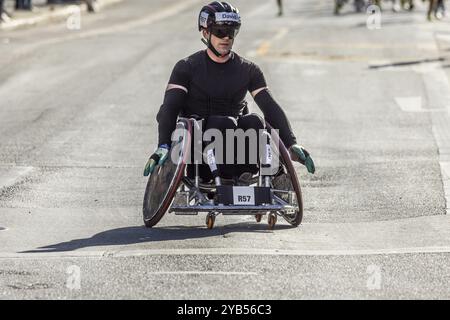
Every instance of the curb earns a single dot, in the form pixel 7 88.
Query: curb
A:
pixel 57 14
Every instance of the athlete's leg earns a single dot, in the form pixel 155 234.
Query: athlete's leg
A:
pixel 280 7
pixel 254 122
pixel 222 123
pixel 431 8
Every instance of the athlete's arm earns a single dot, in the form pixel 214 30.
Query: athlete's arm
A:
pixel 275 115
pixel 270 108
pixel 278 120
pixel 174 101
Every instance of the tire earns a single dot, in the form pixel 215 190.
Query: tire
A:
pixel 165 180
pixel 288 180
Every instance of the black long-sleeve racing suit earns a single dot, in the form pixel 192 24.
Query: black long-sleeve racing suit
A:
pixel 218 89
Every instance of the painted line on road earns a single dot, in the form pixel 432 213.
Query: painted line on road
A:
pixel 222 252
pixel 409 104
pixel 443 37
pixel 414 104
pixel 265 45
pixel 214 273
pixel 279 252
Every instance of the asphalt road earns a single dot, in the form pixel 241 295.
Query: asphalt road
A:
pixel 77 123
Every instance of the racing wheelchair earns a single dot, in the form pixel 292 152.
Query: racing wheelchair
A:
pixel 171 189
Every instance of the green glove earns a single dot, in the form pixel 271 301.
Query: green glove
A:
pixel 158 157
pixel 298 153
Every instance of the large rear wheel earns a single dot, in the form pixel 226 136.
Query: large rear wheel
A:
pixel 165 180
pixel 287 180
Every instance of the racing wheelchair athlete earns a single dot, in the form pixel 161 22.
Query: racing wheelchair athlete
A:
pixel 206 93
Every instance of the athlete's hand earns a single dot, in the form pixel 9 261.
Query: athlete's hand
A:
pixel 298 153
pixel 158 157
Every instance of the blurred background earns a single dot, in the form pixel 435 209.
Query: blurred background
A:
pixel 434 8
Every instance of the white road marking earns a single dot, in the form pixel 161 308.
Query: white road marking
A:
pixel 443 37
pixel 222 252
pixel 278 252
pixel 414 104
pixel 410 104
pixel 314 72
pixel 214 273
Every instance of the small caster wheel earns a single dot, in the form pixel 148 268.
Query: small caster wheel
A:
pixel 210 219
pixel 258 217
pixel 272 220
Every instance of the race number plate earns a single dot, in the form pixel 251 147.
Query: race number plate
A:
pixel 244 196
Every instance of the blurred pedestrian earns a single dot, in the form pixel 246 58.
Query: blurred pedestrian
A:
pixel 359 5
pixel 431 8
pixel 91 5
pixel 1 11
pixel 410 4
pixel 280 7
pixel 338 4
pixel 23 5
pixel 439 11
pixel 375 2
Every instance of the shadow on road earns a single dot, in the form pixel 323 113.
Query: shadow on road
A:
pixel 134 235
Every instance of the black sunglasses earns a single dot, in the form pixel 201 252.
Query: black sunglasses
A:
pixel 225 31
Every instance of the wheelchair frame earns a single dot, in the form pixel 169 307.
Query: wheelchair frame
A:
pixel 186 196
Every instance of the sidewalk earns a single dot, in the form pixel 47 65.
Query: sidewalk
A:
pixel 46 13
